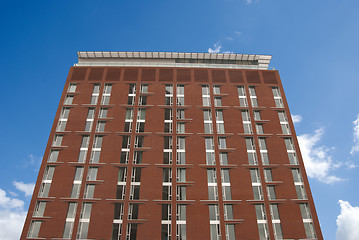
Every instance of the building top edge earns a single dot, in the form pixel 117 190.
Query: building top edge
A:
pixel 172 55
pixel 175 57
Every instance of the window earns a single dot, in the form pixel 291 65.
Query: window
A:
pixel 257 115
pixel 139 141
pixel 167 143
pixel 228 212
pixel 136 175
pixel 137 157
pixel 247 127
pixel 216 89
pixel 268 175
pixel 167 175
pixel 263 151
pixel 180 114
pixel 222 143
pixel 83 149
pixel 72 88
pixel 223 158
pixel 131 94
pixel 215 229
pixel 144 88
pixel 68 99
pixel 283 122
pixel 271 193
pixel 207 116
pixel 253 96
pixel 166 222
pixel 39 209
pixel 277 97
pixel 277 228
pixel 218 102
pixel 291 151
pixel 103 113
pixel 226 187
pixel 132 89
pixel 206 96
pixel 259 128
pixel 89 119
pixel 54 154
pixel 63 120
pixel 133 211
pixel 77 182
pixel 34 229
pixel 100 126
pixel 95 94
pixel 180 95
pixel 307 220
pixel 220 127
pixel 84 221
pixel 70 219
pixel 141 115
pixel 57 140
pixel 180 127
pixel 262 222
pixel 299 184
pixel 181 193
pixel 230 233
pixel 242 96
pixel 131 231
pixel 96 149
pixel 252 156
pixel 128 120
pixel 166 192
pixel 89 191
pixel 181 175
pixel 210 157
pixel 169 95
pixel 92 174
pixel 135 192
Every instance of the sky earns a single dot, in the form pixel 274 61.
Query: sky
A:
pixel 314 45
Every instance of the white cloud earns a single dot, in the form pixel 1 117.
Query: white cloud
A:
pixel 317 159
pixel 9 203
pixel 347 222
pixel 229 38
pixel 355 148
pixel 297 118
pixel 248 1
pixel 27 188
pixel 12 217
pixel 216 48
pixel 238 33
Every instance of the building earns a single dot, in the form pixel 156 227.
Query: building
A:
pixel 149 145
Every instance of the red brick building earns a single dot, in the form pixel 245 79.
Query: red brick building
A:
pixel 149 145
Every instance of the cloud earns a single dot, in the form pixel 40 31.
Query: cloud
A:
pixel 229 38
pixel 317 159
pixel 347 222
pixel 216 48
pixel 32 161
pixel 238 33
pixel 248 1
pixel 12 217
pixel 27 188
pixel 297 118
pixel 355 148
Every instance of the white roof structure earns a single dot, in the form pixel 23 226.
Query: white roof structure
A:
pixel 174 59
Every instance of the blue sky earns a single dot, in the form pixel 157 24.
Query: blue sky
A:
pixel 314 46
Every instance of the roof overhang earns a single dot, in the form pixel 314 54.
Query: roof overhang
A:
pixel 174 59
